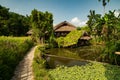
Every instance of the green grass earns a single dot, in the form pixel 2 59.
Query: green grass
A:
pixel 91 71
pixel 12 50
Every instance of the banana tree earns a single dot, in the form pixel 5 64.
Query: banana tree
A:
pixel 110 25
pixel 93 18
pixel 104 3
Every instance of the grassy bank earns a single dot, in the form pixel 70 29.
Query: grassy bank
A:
pixel 39 65
pixel 12 50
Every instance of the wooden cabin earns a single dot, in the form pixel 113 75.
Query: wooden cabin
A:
pixel 63 28
pixel 84 40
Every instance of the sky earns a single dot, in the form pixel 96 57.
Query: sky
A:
pixel 73 11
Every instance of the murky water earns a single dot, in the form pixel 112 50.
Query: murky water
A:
pixel 72 56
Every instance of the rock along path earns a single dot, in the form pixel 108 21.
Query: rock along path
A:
pixel 24 69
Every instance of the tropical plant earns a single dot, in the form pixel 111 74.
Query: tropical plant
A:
pixel 109 26
pixel 93 18
pixel 104 3
pixel 92 22
pixel 110 32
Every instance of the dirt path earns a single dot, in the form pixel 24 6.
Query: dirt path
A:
pixel 24 69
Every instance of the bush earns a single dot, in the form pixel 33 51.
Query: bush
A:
pixel 12 50
pixel 108 52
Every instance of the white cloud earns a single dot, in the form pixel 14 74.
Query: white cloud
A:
pixel 117 13
pixel 77 22
pixel 54 24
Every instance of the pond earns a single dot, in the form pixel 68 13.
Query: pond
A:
pixel 72 56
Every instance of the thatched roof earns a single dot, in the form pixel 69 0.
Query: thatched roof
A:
pixel 64 26
pixel 85 36
pixel 31 32
pixel 61 27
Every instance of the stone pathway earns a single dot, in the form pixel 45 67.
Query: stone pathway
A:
pixel 24 69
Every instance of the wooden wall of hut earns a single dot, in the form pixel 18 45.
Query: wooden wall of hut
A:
pixel 61 34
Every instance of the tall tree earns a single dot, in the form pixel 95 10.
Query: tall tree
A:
pixel 93 18
pixel 49 26
pixel 110 25
pixel 42 24
pixel 12 24
pixel 104 3
pixel 4 16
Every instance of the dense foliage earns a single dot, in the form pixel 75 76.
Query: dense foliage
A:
pixel 106 27
pixel 90 71
pixel 108 53
pixel 106 30
pixel 12 50
pixel 42 25
pixel 71 38
pixel 13 24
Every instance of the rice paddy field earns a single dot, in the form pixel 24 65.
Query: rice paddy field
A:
pixel 12 50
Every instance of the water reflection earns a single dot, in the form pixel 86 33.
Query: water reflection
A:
pixel 72 56
pixel 54 61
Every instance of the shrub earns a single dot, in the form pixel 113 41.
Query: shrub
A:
pixel 12 50
pixel 108 52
